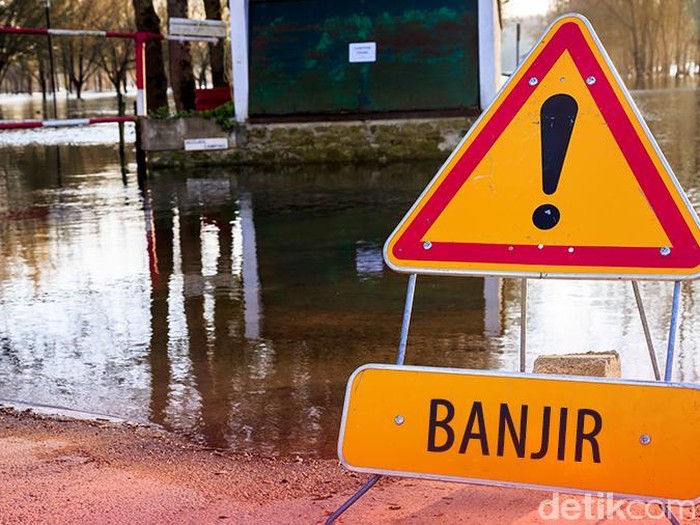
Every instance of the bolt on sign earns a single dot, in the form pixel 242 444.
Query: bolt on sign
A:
pixel 560 177
pixel 529 431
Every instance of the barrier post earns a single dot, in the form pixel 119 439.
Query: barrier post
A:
pixel 139 58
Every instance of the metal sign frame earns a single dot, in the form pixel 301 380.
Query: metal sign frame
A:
pixel 401 357
pixel 191 28
pixel 410 293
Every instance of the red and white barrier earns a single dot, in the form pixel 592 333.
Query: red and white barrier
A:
pixel 139 38
pixel 61 123
pixel 79 32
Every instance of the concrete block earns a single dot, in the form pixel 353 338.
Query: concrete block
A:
pixel 590 364
pixel 303 142
pixel 170 134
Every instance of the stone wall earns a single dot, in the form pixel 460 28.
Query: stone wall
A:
pixel 292 143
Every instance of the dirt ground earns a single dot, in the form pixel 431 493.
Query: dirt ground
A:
pixel 64 471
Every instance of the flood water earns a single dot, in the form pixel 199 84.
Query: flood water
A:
pixel 231 305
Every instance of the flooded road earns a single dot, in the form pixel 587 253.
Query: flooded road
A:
pixel 232 304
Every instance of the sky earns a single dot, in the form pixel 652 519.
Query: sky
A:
pixel 522 8
pixel 514 11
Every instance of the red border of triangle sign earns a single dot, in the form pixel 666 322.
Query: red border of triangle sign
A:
pixel 410 249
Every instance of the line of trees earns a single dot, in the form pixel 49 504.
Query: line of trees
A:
pixel 101 63
pixel 645 38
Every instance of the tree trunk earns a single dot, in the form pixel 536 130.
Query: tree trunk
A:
pixel 3 64
pixel 156 82
pixel 181 72
pixel 212 8
pixel 42 80
pixel 637 49
pixel 78 85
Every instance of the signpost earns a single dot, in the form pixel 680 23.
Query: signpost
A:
pixel 560 177
pixel 622 437
pixel 192 29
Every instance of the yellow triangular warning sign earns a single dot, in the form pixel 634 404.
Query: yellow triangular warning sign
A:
pixel 560 177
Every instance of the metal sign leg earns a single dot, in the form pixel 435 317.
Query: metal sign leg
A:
pixel 523 323
pixel 408 308
pixel 669 515
pixel 352 499
pixel 647 333
pixel 400 358
pixel 668 372
pixel 672 331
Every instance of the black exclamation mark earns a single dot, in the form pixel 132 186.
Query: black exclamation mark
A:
pixel 557 118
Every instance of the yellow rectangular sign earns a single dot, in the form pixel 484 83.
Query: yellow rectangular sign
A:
pixel 629 438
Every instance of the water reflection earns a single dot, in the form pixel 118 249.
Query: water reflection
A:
pixel 27 107
pixel 269 343
pixel 577 316
pixel 232 305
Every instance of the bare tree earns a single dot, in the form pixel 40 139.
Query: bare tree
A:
pixel 212 8
pixel 115 54
pixel 695 51
pixel 79 61
pixel 147 20
pixel 200 63
pixel 181 73
pixel 19 13
pixel 645 38
pixel 79 55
